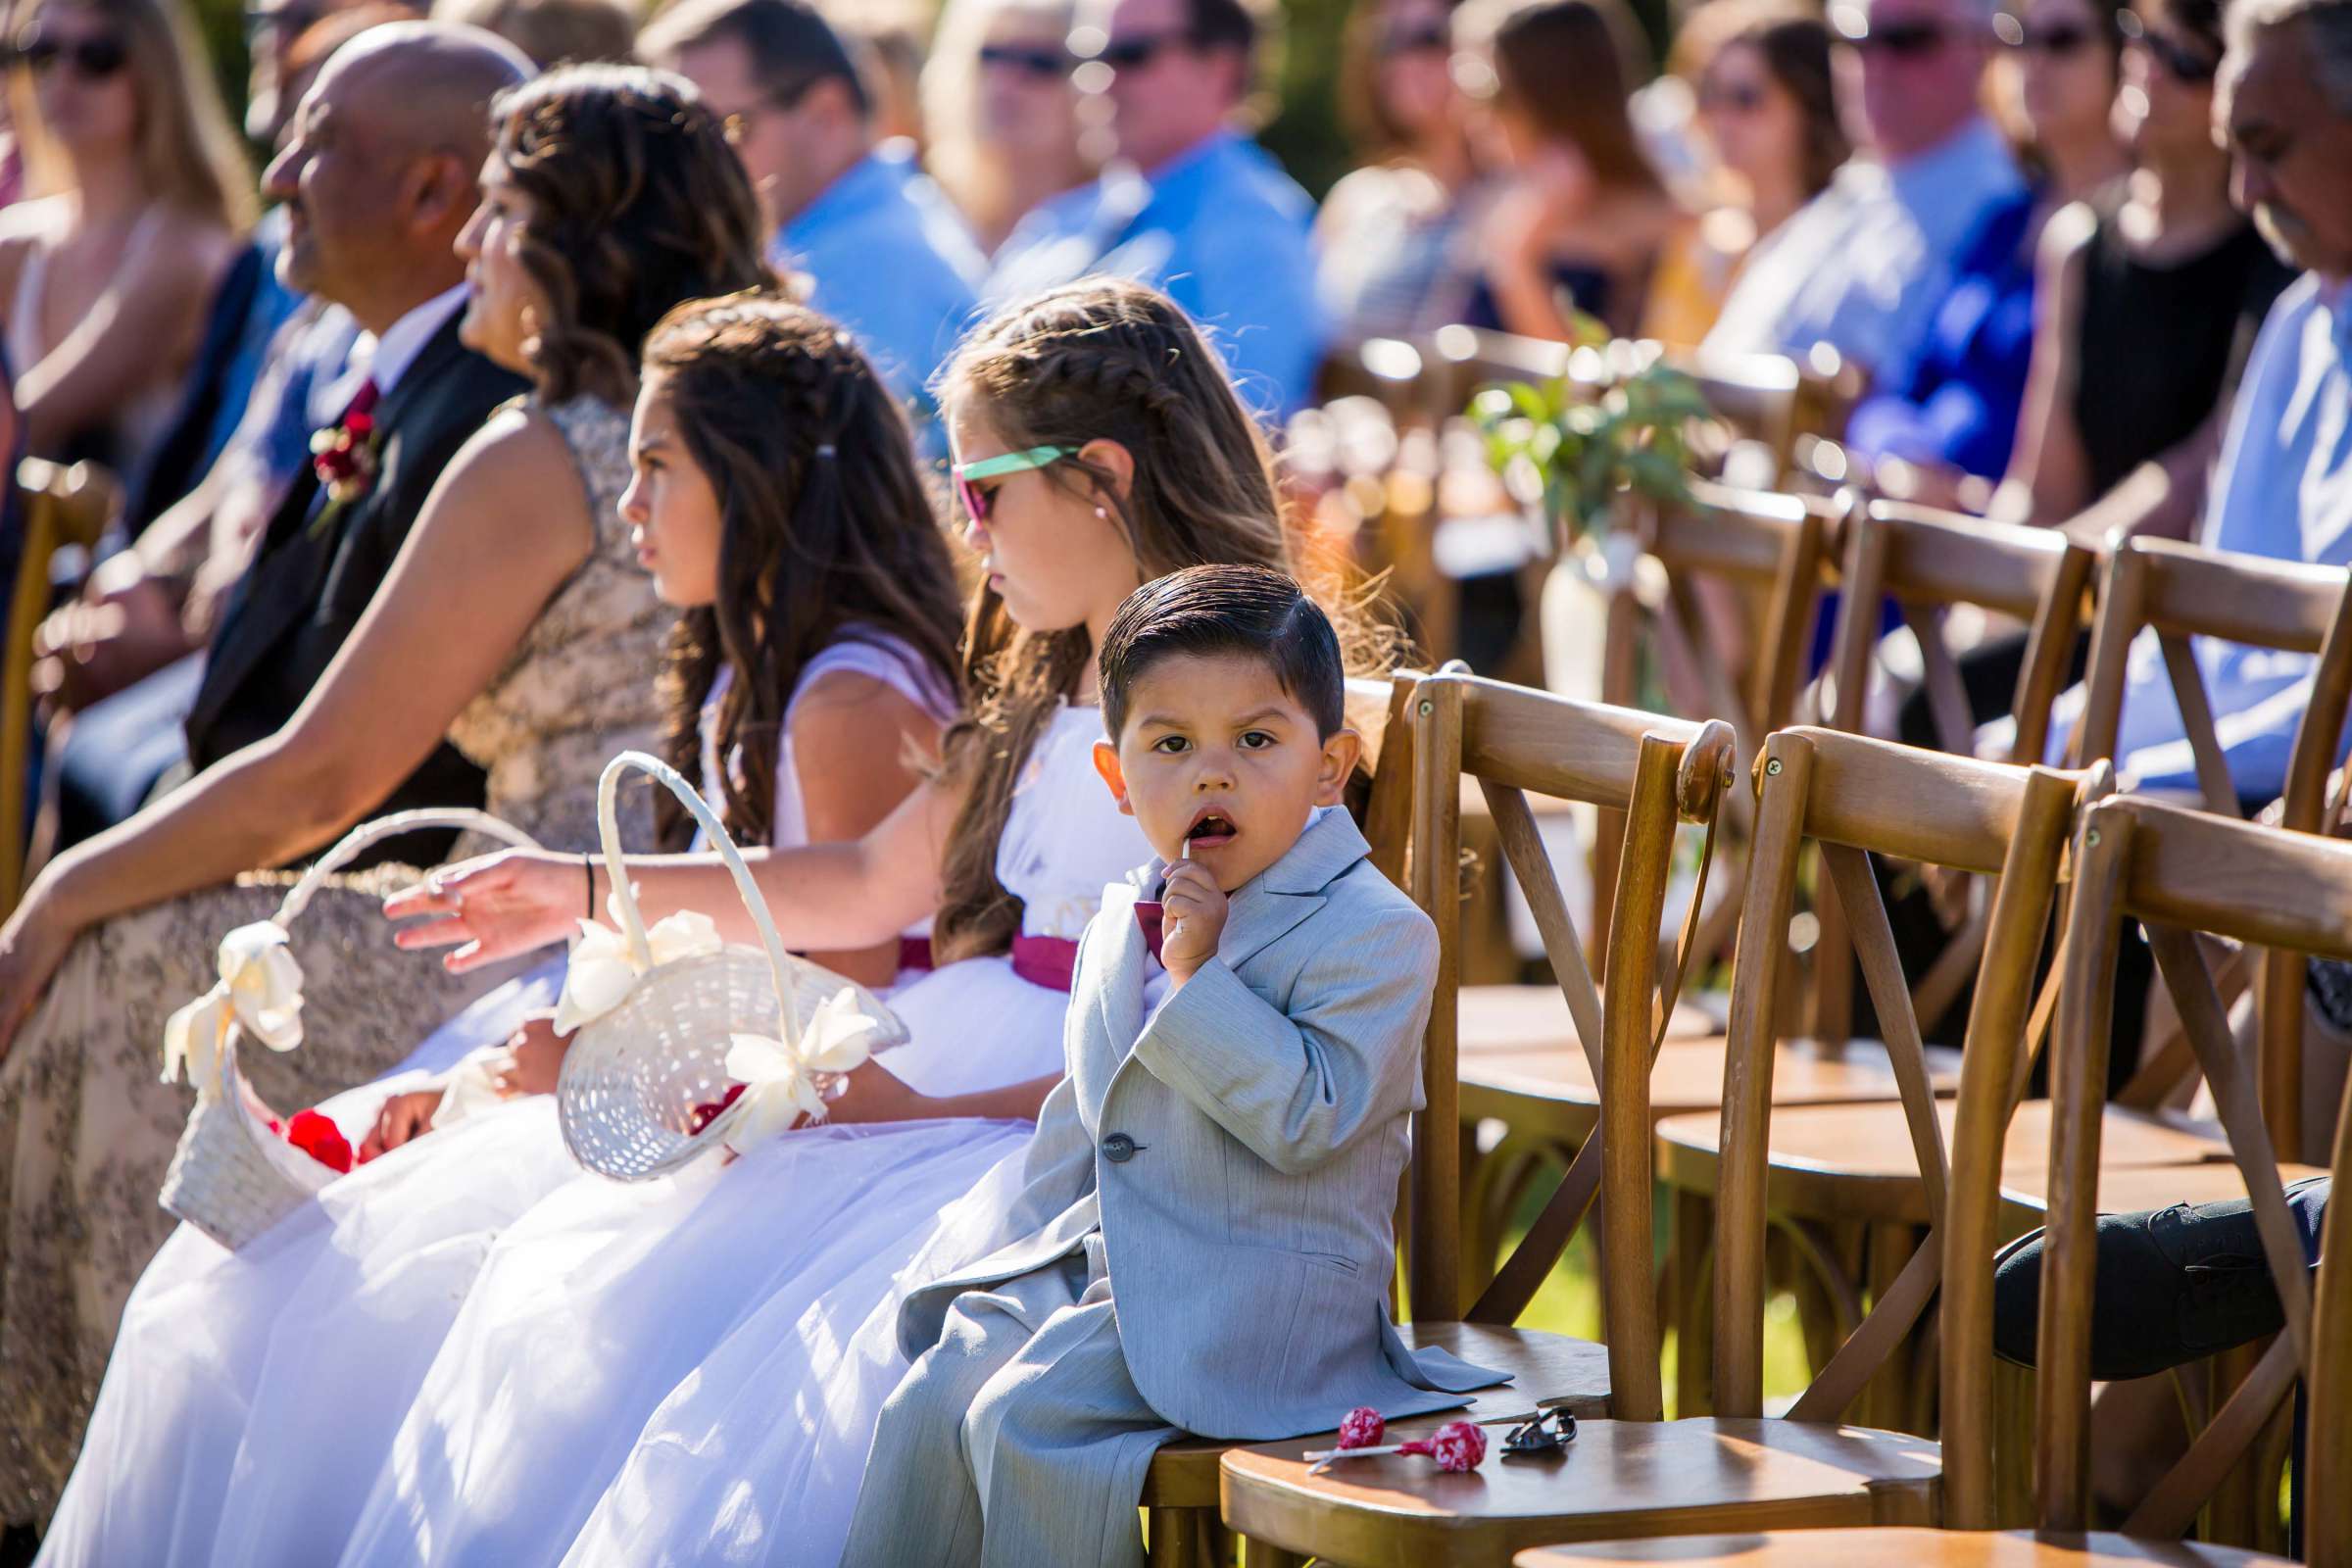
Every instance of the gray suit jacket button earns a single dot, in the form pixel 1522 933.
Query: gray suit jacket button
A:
pixel 1119 1149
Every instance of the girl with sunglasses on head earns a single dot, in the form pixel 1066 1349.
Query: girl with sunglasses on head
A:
pixel 745 1308
pixel 140 196
pixel 1001 112
pixel 2153 291
pixel 1392 238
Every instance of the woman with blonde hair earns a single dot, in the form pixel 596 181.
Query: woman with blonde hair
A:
pixel 1001 112
pixel 140 194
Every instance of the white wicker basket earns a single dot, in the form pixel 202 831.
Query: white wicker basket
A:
pixel 231 1177
pixel 635 1076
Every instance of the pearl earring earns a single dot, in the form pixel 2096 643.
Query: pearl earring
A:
pixel 1104 516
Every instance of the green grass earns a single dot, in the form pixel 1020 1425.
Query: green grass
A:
pixel 1569 1304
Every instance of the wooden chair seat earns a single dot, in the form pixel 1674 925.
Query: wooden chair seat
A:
pixel 1550 1090
pixel 1547 1370
pixel 1871 1548
pixel 1857 1163
pixel 1522 1018
pixel 1618 1479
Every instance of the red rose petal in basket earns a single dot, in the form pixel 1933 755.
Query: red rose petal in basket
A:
pixel 1457 1446
pixel 704 1115
pixel 1363 1428
pixel 320 1139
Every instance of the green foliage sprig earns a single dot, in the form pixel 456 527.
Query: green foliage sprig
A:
pixel 1585 438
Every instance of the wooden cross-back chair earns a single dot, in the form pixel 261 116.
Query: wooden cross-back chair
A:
pixel 1831 1156
pixel 58 506
pixel 1437 731
pixel 1844 1180
pixel 2178 592
pixel 1635 1474
pixel 1931 563
pixel 1526 1064
pixel 2181 872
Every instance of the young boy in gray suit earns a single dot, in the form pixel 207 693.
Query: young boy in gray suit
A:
pixel 1204 1242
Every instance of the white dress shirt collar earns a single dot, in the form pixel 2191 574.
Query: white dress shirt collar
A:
pixel 387 356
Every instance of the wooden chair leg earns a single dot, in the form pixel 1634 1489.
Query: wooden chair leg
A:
pixel 1258 1554
pixel 2244 1513
pixel 1182 1537
pixel 1885 1401
pixel 2013 1445
pixel 1694 1227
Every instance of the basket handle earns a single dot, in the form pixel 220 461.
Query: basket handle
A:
pixel 350 847
pixel 624 896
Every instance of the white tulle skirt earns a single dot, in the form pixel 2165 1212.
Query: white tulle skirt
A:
pixel 250 1395
pixel 454 1354
pixel 612 1318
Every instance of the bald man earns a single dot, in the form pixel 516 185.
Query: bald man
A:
pixel 377 174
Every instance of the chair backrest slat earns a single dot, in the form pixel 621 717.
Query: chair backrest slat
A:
pixel 1929 562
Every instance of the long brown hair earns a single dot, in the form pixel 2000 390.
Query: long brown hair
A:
pixel 1792 43
pixel 1571 65
pixel 188 154
pixel 1101 359
pixel 825 533
pixel 637 204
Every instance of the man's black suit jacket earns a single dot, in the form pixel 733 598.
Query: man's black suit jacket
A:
pixel 313 577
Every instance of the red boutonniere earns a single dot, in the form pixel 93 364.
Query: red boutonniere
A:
pixel 318 1137
pixel 345 458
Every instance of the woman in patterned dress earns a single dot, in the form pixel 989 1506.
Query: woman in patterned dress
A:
pixel 514 622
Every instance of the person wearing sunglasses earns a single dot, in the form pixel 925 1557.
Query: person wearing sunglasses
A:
pixel 1866 266
pixel 1391 239
pixel 142 197
pixel 2054 85
pixel 883 250
pixel 1953 421
pixel 2154 291
pixel 1760 75
pixel 1188 204
pixel 1001 112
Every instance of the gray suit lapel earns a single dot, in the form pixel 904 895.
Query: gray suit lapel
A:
pixel 1117 1016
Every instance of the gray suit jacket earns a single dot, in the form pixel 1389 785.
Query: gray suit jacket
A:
pixel 1241 1155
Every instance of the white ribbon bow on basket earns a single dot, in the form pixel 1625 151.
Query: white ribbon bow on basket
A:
pixel 259 989
pixel 783 1084
pixel 602 967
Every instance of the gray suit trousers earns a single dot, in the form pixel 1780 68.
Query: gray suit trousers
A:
pixel 1017 1440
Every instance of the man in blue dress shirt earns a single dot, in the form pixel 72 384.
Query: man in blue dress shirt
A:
pixel 883 252
pixel 1866 265
pixel 2283 485
pixel 1189 205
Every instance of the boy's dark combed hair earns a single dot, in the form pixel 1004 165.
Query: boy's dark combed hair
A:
pixel 1250 610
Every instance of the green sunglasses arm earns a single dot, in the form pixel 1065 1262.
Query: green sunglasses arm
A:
pixel 1012 463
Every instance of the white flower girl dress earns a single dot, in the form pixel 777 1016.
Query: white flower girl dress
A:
pixel 602 1304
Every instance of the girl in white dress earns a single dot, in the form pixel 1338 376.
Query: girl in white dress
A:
pixel 1101 444
pixel 251 1397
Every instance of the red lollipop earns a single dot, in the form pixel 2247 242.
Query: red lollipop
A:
pixel 1363 1428
pixel 1457 1446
